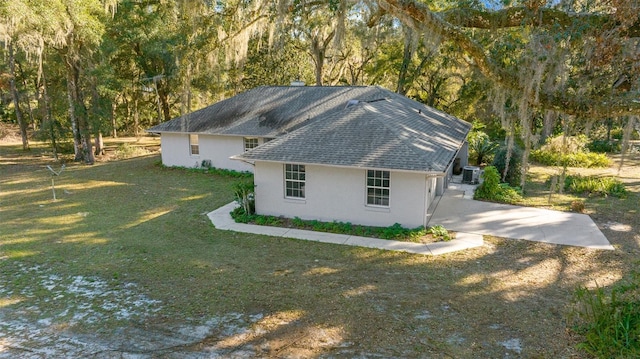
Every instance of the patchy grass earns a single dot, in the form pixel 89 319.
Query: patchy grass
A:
pixel 133 225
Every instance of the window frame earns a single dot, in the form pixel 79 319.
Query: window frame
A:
pixel 194 144
pixel 250 143
pixel 294 181
pixel 378 188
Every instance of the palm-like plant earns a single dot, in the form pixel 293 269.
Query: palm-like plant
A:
pixel 482 146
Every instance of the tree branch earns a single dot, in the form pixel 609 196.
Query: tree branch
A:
pixel 420 17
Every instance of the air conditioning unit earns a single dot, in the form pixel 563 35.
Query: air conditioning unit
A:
pixel 470 174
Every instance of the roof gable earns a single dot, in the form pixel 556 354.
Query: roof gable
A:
pixel 389 133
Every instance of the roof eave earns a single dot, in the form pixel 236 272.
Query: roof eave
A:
pixel 254 160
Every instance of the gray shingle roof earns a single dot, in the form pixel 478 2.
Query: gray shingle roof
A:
pixel 389 132
pixel 267 111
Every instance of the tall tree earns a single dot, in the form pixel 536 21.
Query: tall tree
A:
pixel 573 52
pixel 17 23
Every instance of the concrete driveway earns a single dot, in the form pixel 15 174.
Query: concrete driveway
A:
pixel 456 212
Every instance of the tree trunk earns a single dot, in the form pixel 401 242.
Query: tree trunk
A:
pixel 406 60
pixel 163 96
pixel 96 117
pixel 99 143
pixel 32 120
pixel 318 51
pixel 136 116
pixel 114 131
pixel 16 99
pixel 47 118
pixel 77 143
pixel 77 109
pixel 319 66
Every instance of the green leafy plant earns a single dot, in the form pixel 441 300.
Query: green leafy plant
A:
pixel 569 152
pixel 602 186
pixel 481 147
pixel 243 195
pixel 492 190
pixel 609 323
pixel 240 216
pixel 604 146
pixel 514 172
pixel 210 170
pixel 439 231
pixel 395 231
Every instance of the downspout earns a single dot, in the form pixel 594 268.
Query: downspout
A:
pixel 426 201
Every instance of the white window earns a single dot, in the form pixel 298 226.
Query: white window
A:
pixel 250 143
pixel 378 188
pixel 194 148
pixel 294 181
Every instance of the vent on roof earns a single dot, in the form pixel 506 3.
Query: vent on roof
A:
pixel 297 83
pixel 352 103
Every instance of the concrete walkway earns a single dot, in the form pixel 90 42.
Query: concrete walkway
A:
pixel 457 212
pixel 221 219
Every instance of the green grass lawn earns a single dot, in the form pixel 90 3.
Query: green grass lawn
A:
pixel 133 221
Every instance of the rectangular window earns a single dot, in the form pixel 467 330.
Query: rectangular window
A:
pixel 294 180
pixel 194 148
pixel 378 188
pixel 250 143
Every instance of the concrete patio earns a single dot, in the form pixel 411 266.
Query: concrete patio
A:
pixel 457 211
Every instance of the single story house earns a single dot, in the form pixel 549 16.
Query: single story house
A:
pixel 363 155
pixel 210 136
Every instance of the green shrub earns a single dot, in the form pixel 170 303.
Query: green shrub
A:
pixel 604 146
pixel 618 134
pixel 211 170
pixel 578 159
pixel 240 216
pixel 508 194
pixel 490 184
pixel 492 190
pixel 569 152
pixel 126 150
pixel 609 323
pixel 439 231
pixel 396 231
pixel 602 186
pixel 243 195
pixel 393 231
pixel 515 164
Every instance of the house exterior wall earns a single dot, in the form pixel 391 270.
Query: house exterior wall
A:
pixel 214 148
pixel 339 194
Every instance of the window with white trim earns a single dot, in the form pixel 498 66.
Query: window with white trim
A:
pixel 250 143
pixel 194 148
pixel 378 188
pixel 294 181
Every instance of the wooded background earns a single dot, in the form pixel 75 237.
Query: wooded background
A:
pixel 73 70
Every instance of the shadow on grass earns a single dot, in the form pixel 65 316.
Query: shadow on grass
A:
pixel 133 221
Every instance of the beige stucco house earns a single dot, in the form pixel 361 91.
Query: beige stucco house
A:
pixel 363 155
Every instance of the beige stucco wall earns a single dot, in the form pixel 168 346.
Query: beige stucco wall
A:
pixel 217 149
pixel 339 194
